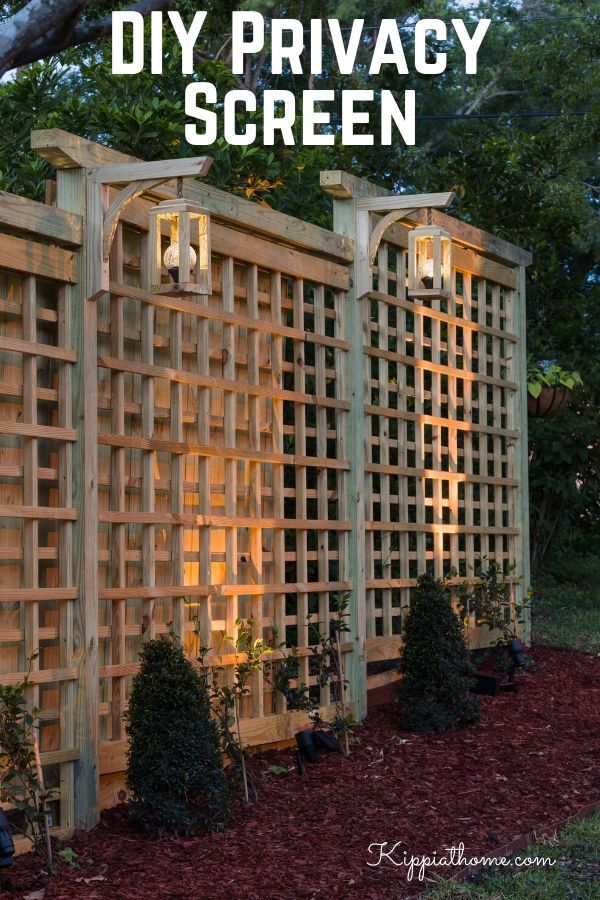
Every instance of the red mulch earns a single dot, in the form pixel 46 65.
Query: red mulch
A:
pixel 532 761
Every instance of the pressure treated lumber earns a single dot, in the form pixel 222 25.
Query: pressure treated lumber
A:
pixel 64 150
pixel 258 390
pixel 264 326
pixel 74 196
pixel 30 257
pixel 56 225
pixel 175 464
pixel 343 185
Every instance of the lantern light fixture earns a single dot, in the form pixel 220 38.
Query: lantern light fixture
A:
pixel 171 260
pixel 187 259
pixel 429 262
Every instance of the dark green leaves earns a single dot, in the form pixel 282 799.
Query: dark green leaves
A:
pixel 434 661
pixel 175 771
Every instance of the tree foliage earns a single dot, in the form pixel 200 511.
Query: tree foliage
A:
pixel 174 767
pixel 434 661
pixel 20 786
pixel 517 142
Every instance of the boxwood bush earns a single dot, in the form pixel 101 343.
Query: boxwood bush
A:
pixel 174 765
pixel 434 661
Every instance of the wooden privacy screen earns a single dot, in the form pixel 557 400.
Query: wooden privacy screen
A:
pixel 176 463
pixel 221 437
pixel 37 599
pixel 441 471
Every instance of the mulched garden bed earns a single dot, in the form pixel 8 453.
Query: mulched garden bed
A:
pixel 532 761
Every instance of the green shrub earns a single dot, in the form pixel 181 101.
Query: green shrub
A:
pixel 20 786
pixel 434 660
pixel 174 765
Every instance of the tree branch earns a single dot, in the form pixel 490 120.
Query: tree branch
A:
pixel 45 27
pixel 91 31
pixel 27 25
pixel 486 93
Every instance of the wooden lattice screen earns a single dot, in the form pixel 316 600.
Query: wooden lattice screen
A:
pixel 176 463
pixel 221 464
pixel 441 473
pixel 39 627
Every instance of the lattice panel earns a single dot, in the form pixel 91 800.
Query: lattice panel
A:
pixel 36 513
pixel 440 419
pixel 220 472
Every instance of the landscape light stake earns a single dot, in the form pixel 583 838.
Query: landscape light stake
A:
pixel 44 804
pixel 515 648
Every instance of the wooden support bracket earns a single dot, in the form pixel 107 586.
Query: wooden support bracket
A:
pixel 382 226
pixel 399 208
pixel 142 177
pixel 113 213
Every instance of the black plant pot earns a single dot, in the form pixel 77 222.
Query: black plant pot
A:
pixel 306 743
pixel 7 846
pixel 487 684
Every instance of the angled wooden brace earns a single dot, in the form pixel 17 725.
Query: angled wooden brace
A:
pixel 382 226
pixel 399 208
pixel 142 177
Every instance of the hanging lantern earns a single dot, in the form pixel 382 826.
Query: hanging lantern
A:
pixel 188 269
pixel 429 262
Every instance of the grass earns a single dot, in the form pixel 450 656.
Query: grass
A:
pixel 566 610
pixel 565 613
pixel 576 873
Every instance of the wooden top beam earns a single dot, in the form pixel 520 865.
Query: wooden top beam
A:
pixel 481 241
pixel 59 226
pixel 64 150
pixel 32 258
pixel 67 151
pixel 344 186
pixel 194 167
pixel 395 202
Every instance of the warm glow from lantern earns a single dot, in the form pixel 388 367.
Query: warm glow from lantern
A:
pixel 429 261
pixel 188 256
pixel 427 272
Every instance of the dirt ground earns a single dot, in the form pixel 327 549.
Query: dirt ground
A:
pixel 532 761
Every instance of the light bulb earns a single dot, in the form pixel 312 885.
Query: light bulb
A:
pixel 427 273
pixel 171 257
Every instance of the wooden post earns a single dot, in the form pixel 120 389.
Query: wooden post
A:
pixel 345 190
pixel 72 195
pixel 522 452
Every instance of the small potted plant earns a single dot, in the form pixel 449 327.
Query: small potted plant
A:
pixel 547 387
